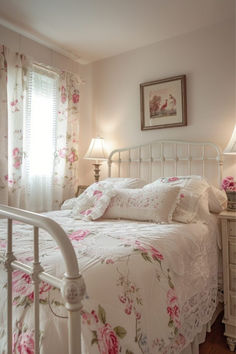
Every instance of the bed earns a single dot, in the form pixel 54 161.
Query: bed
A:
pixel 147 286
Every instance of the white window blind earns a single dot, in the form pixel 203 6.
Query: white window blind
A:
pixel 40 121
pixel 40 135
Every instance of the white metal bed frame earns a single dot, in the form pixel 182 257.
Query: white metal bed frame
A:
pixel 72 285
pixel 162 160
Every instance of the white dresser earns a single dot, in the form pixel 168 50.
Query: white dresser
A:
pixel 228 225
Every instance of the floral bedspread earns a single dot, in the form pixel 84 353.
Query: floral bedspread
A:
pixel 149 287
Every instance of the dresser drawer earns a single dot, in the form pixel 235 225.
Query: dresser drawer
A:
pixel 233 305
pixel 232 278
pixel 232 228
pixel 232 252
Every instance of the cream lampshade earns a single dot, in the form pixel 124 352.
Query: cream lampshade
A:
pixel 231 147
pixel 97 152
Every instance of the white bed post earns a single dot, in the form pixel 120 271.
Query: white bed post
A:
pixel 36 281
pixel 72 286
pixel 9 259
pixel 73 290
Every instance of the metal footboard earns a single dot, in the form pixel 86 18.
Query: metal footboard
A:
pixel 72 285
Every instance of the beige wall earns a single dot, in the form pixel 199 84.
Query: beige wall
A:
pixel 46 56
pixel 206 56
pixel 110 104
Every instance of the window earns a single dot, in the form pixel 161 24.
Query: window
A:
pixel 40 118
pixel 40 122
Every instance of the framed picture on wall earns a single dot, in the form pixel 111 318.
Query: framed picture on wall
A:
pixel 163 103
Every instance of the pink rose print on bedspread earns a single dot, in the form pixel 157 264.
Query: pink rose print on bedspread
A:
pixel 107 340
pixel 23 289
pixel 132 301
pixel 78 235
pixel 23 342
pixel 103 335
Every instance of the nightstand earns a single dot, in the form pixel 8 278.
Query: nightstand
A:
pixel 80 190
pixel 228 227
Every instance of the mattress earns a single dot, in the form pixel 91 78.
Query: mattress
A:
pixel 149 287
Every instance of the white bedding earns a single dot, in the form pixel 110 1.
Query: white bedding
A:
pixel 150 287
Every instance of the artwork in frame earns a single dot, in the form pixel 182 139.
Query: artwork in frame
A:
pixel 163 103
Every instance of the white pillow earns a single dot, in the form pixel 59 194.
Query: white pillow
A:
pixel 191 189
pixel 92 204
pixel 123 182
pixel 155 205
pixel 217 199
pixel 69 204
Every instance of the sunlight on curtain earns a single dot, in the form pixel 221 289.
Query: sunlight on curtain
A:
pixel 40 137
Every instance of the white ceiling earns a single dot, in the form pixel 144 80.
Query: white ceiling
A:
pixel 90 30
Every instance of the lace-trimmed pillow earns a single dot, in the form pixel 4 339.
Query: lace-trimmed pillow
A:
pixel 92 204
pixel 144 205
pixel 191 189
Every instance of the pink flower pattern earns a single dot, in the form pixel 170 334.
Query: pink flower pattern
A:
pixel 63 94
pixel 17 158
pixel 107 340
pixel 78 235
pixel 173 179
pixel 24 342
pixel 22 286
pixel 75 96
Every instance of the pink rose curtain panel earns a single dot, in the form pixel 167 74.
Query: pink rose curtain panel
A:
pixel 39 127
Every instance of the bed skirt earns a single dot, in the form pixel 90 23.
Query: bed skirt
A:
pixel 193 347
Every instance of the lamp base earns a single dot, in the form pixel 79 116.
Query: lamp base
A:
pixel 96 171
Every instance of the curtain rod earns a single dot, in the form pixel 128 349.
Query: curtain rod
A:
pixel 56 70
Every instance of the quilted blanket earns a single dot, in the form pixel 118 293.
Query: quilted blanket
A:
pixel 149 287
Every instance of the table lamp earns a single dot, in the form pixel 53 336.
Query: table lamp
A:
pixel 231 150
pixel 97 152
pixel 231 147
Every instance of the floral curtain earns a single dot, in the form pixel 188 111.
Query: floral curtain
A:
pixel 66 156
pixel 17 67
pixel 14 157
pixel 3 129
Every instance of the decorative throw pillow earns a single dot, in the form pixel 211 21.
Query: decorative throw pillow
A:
pixel 155 205
pixel 116 182
pixel 92 204
pixel 123 182
pixel 191 189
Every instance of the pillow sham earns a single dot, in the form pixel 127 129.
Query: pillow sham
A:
pixel 191 189
pixel 156 205
pixel 92 203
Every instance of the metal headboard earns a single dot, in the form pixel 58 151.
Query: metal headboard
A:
pixel 168 158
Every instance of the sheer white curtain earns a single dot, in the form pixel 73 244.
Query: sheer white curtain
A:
pixel 40 118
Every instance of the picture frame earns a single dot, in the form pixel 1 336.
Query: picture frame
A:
pixel 163 103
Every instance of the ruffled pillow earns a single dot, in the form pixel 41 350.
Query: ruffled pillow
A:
pixel 116 182
pixel 156 205
pixel 92 204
